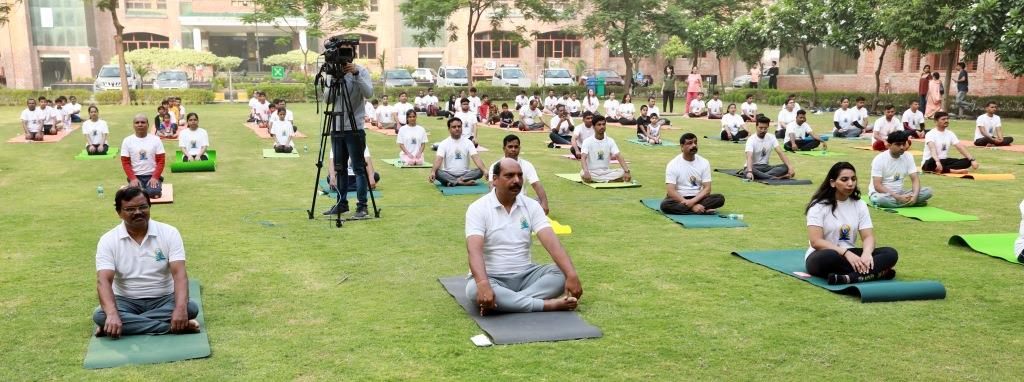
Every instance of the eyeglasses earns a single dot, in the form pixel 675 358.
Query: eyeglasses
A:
pixel 132 210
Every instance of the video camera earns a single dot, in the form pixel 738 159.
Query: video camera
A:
pixel 338 52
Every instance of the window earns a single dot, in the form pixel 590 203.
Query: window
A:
pixel 494 45
pixel 915 62
pixel 367 47
pixel 558 44
pixel 145 4
pixel 374 5
pixel 944 60
pixel 143 40
pixel 901 59
pixel 824 60
pixel 972 65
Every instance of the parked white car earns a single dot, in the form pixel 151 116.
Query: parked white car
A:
pixel 510 76
pixel 172 79
pixel 448 76
pixel 109 78
pixel 555 77
pixel 424 76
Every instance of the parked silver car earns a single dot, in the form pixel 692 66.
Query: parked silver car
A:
pixel 109 78
pixel 172 79
pixel 398 78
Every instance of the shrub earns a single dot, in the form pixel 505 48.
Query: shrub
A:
pixel 1010 106
pixel 17 97
pixel 155 96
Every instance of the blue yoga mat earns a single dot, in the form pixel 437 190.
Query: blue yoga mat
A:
pixel 479 188
pixel 695 221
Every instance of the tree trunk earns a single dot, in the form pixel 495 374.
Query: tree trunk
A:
pixel 949 75
pixel 474 20
pixel 810 72
pixel 119 48
pixel 627 56
pixel 878 75
pixel 721 77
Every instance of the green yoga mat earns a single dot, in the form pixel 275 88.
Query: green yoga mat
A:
pixel 578 179
pixel 664 143
pixel 479 188
pixel 195 166
pixel 111 153
pixel 825 137
pixel 104 352
pixel 792 260
pixel 695 221
pixel 270 153
pixel 929 214
pixel 394 162
pixel 325 189
pixel 998 245
pixel 770 182
pixel 820 153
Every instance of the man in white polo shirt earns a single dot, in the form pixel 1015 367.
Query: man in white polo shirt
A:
pixel 913 120
pixel 32 121
pixel 688 182
pixel 715 107
pixel 988 129
pixel 142 157
pixel 451 167
pixel 511 147
pixel 888 171
pixel 531 117
pixel 469 118
pixel 140 274
pixel 598 152
pixel 504 278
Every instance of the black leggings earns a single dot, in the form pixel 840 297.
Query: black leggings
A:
pixel 987 141
pixel 822 262
pixel 802 145
pixel 735 137
pixel 668 99
pixel 947 164
pixel 710 202
pixel 627 121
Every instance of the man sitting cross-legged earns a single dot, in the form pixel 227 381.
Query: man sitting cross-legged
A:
pixel 759 149
pixel 498 228
pixel 697 107
pixel 937 143
pixel 598 152
pixel 511 147
pixel 889 169
pixel 140 274
pixel 561 127
pixel 883 127
pixel 142 157
pixel 32 121
pixel 989 128
pixel 581 133
pixel 455 153
pixel 688 182
pixel 799 135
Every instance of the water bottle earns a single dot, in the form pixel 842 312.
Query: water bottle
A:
pixel 305 148
pixel 99 191
pixel 735 216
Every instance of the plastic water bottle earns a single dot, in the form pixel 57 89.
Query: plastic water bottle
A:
pixel 99 191
pixel 305 148
pixel 735 216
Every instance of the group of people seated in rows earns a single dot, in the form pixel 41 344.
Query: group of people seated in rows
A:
pixel 276 118
pixel 39 118
pixel 169 115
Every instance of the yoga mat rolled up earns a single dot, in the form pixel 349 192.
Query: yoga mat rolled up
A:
pixel 719 220
pixel 394 162
pixel 929 214
pixel 112 152
pixel 770 182
pixel 105 352
pixel 791 263
pixel 575 177
pixel 517 328
pixel 479 188
pixel 998 245
pixel 195 166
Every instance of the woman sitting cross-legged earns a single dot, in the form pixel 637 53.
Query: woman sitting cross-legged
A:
pixel 835 216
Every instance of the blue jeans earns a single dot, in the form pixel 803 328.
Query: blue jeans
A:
pixel 356 183
pixel 144 315
pixel 344 144
pixel 144 185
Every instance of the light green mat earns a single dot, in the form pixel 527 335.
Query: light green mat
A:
pixel 929 214
pixel 819 153
pixel 325 189
pixel 270 153
pixel 791 263
pixel 104 352
pixel 112 152
pixel 695 221
pixel 664 143
pixel 394 162
pixel 210 164
pixel 998 245
pixel 576 178
pixel 480 188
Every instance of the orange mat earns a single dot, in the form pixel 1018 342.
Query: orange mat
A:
pixel 167 195
pixel 263 133
pixel 20 138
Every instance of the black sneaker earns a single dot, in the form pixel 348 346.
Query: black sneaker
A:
pixel 360 213
pixel 337 210
pixel 1020 258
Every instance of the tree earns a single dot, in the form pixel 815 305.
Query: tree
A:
pixel 1010 49
pixel 6 7
pixel 111 6
pixel 799 25
pixel 320 16
pixel 693 21
pixel 229 63
pixel 627 26
pixel 294 59
pixel 996 25
pixel 673 48
pixel 432 18
pixel 751 36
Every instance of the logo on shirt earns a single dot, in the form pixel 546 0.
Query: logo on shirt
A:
pixel 844 233
pixel 458 154
pixel 944 148
pixel 523 223
pixel 600 154
pixel 159 256
pixel 414 141
pixel 193 143
pixel 142 155
pixel 897 177
pixel 693 181
pixel 764 152
pixel 95 132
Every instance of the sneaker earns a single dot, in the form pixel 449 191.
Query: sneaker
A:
pixel 336 210
pixel 360 213
pixel 1020 258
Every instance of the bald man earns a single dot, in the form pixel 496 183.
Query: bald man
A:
pixel 498 228
pixel 142 157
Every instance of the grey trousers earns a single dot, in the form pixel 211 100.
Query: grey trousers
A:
pixel 144 315
pixel 710 202
pixel 524 291
pixel 451 179
pixel 765 171
pixel 887 201
pixel 852 132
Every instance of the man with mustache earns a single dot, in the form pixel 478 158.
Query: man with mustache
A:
pixel 454 154
pixel 598 152
pixel 142 157
pixel 688 182
pixel 498 229
pixel 888 171
pixel 140 274
pixel 759 149
pixel 511 147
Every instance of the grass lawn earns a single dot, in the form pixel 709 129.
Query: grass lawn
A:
pixel 290 298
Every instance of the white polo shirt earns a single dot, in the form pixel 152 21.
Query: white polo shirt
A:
pixel 401 109
pixel 560 127
pixel 582 132
pixel 944 140
pixel 193 141
pixel 913 118
pixel 94 131
pixel 714 106
pixel 33 119
pixel 749 109
pixel 457 154
pixel 799 131
pixel 529 173
pixel 522 101
pixel 689 177
pixel 529 116
pixel 990 124
pixel 507 235
pixel 143 152
pixel 141 270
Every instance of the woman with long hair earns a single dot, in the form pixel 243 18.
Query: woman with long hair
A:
pixel 693 86
pixel 835 216
pixel 627 112
pixel 934 99
pixel 668 89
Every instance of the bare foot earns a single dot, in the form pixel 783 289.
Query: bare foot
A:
pixel 99 332
pixel 958 171
pixel 468 182
pixel 711 212
pixel 191 327
pixel 560 303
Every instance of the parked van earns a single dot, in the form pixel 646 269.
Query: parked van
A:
pixel 109 78
pixel 510 75
pixel 556 76
pixel 448 76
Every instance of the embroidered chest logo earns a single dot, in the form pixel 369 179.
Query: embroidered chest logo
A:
pixel 95 133
pixel 523 223
pixel 159 256
pixel 764 152
pixel 944 147
pixel 844 232
pixel 413 141
pixel 897 177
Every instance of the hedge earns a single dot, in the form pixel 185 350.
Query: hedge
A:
pixel 17 97
pixel 1009 106
pixel 155 96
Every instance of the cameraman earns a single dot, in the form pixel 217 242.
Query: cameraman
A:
pixel 347 138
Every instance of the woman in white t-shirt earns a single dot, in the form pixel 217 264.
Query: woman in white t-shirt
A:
pixel 282 131
pixel 835 216
pixel 411 139
pixel 591 102
pixel 96 132
pixel 733 128
pixel 627 113
pixel 194 141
